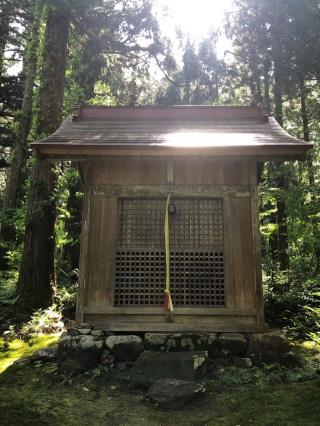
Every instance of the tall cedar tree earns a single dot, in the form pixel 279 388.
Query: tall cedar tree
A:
pixel 258 30
pixel 18 161
pixel 277 41
pixel 36 279
pixel 5 15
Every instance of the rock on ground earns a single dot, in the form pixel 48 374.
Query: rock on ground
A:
pixel 174 393
pixel 153 366
pixel 79 353
pixel 45 354
pixel 272 341
pixel 162 342
pixel 125 348
pixel 155 341
pixel 242 362
pixel 271 347
pixel 234 343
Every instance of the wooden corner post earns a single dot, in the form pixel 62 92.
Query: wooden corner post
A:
pixel 83 248
pixel 256 241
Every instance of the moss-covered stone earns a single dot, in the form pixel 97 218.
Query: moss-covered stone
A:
pixel 125 348
pixel 76 354
pixel 233 343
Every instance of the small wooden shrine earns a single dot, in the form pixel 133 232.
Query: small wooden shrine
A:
pixel 190 171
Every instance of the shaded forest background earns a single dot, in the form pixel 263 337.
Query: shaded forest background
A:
pixel 112 52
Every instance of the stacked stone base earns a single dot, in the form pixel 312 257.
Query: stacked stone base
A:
pixel 83 347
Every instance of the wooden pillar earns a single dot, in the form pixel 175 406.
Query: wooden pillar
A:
pixel 256 241
pixel 84 239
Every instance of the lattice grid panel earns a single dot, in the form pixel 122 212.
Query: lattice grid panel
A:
pixel 196 252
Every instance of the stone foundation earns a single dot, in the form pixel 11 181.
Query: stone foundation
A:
pixel 83 347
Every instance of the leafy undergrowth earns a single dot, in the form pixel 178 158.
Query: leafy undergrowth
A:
pixel 16 348
pixel 39 395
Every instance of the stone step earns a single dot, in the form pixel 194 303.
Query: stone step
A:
pixel 153 366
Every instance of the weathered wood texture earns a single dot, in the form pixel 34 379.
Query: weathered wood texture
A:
pixel 232 180
pixel 101 251
pixel 186 171
pixel 275 152
pixel 176 130
pixel 210 171
pixel 129 171
pixel 84 238
pixel 256 241
pixel 233 324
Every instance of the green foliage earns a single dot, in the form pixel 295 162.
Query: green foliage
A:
pixel 286 302
pixel 28 328
pixel 268 374
pixel 103 95
pixel 65 299
pixel 14 221
pixel 287 293
pixel 67 234
pixel 45 321
pixel 199 78
pixel 314 313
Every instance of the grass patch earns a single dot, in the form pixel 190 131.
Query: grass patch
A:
pixel 17 348
pixel 32 395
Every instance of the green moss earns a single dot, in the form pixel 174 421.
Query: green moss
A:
pixel 19 349
pixel 39 395
pixel 34 395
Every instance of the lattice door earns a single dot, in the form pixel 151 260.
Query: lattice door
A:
pixel 196 252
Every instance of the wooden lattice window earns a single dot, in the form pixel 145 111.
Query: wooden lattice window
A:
pixel 196 252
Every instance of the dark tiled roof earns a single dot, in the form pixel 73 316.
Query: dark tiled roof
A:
pixel 171 131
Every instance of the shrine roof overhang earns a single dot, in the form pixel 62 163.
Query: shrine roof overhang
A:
pixel 96 131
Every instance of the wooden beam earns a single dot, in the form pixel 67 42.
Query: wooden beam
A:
pixel 155 310
pixel 263 152
pixel 176 327
pixel 228 257
pixel 176 190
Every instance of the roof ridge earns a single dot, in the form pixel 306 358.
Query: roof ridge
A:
pixel 170 112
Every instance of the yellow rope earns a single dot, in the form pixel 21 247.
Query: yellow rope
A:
pixel 168 300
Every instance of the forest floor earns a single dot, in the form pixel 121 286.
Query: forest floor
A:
pixel 37 394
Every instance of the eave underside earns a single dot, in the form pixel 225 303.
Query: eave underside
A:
pixel 102 132
pixel 263 153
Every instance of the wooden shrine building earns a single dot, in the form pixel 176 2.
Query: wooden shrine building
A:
pixel 130 160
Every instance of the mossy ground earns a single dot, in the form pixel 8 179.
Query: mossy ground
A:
pixel 39 395
pixel 18 348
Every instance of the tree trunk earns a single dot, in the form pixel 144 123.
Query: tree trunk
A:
pixel 257 96
pixel 18 161
pixel 186 97
pixel 5 15
pixel 306 131
pixel 283 245
pixel 37 275
pixel 311 178
pixel 266 85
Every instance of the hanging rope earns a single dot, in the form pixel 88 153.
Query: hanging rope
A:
pixel 168 305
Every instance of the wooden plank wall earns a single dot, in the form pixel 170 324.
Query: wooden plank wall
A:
pixel 233 179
